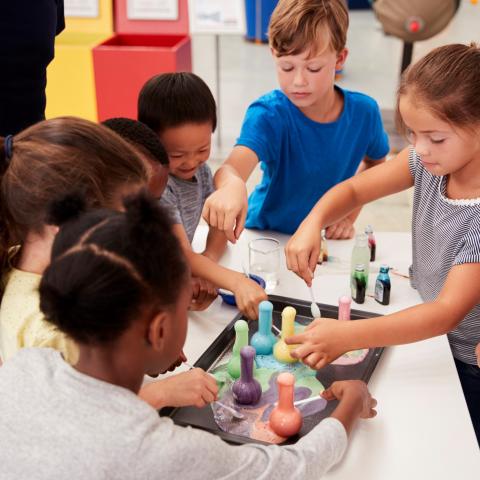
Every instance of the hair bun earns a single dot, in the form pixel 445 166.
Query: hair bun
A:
pixel 146 220
pixel 67 208
pixel 57 305
pixel 143 211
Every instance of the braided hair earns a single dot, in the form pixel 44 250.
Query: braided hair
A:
pixel 107 265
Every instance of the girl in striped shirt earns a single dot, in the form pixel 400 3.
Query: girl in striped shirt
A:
pixel 438 108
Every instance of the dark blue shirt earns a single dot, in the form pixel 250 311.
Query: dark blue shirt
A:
pixel 27 37
pixel 301 159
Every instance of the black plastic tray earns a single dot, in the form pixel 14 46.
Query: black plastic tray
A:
pixel 203 418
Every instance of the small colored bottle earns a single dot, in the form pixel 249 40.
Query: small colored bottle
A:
pixel 246 390
pixel 372 243
pixel 263 340
pixel 323 255
pixel 344 305
pixel 359 283
pixel 361 254
pixel 241 340
pixel 281 351
pixel 383 286
pixel 286 420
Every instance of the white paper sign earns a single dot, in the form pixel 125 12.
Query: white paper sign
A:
pixel 81 8
pixel 217 16
pixel 152 9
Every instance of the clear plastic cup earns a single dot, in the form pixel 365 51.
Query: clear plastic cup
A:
pixel 264 260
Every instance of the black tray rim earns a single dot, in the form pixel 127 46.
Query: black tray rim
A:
pixel 205 361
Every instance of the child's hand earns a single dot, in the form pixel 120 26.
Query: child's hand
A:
pixel 321 342
pixel 193 388
pixel 303 249
pixel 226 209
pixel 357 392
pixel 341 230
pixel 248 294
pixel 203 294
pixel 477 352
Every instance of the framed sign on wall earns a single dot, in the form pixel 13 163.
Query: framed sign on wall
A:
pixel 217 16
pixel 152 9
pixel 81 8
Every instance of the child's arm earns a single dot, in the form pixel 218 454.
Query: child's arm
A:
pixel 226 208
pixel 326 339
pixel 344 228
pixel 194 387
pixel 355 402
pixel 248 294
pixel 303 248
pixel 203 294
pixel 310 457
pixel 216 243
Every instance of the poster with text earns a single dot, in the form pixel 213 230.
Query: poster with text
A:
pixel 81 8
pixel 217 16
pixel 152 9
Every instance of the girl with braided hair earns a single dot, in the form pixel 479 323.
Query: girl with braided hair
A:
pixel 118 285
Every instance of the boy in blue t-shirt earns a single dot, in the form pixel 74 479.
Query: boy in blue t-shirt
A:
pixel 308 136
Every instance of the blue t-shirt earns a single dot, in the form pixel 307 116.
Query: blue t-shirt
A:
pixel 301 159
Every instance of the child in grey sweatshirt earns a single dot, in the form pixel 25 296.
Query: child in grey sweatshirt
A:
pixel 116 285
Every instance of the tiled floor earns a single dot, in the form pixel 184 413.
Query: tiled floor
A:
pixel 246 72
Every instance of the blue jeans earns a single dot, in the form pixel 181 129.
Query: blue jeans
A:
pixel 470 380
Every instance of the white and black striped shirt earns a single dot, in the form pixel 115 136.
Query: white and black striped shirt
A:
pixel 445 233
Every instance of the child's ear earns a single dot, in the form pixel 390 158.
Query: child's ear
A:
pixel 156 330
pixel 50 230
pixel 341 58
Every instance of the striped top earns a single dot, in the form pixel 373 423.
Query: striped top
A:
pixel 445 232
pixel 184 199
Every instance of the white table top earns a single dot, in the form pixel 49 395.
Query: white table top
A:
pixel 422 429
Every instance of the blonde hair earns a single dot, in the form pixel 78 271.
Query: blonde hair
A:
pixel 446 81
pixel 300 25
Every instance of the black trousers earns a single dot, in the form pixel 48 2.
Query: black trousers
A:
pixel 470 380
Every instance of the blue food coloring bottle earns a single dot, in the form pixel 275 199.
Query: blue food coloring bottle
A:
pixel 383 286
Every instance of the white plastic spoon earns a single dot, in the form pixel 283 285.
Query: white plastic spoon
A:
pixel 276 329
pixel 239 253
pixel 305 400
pixel 235 413
pixel 314 308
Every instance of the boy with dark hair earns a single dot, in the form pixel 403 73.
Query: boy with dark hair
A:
pixel 160 112
pixel 144 140
pixel 180 108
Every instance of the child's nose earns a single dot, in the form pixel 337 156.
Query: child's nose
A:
pixel 191 161
pixel 299 78
pixel 189 157
pixel 421 147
